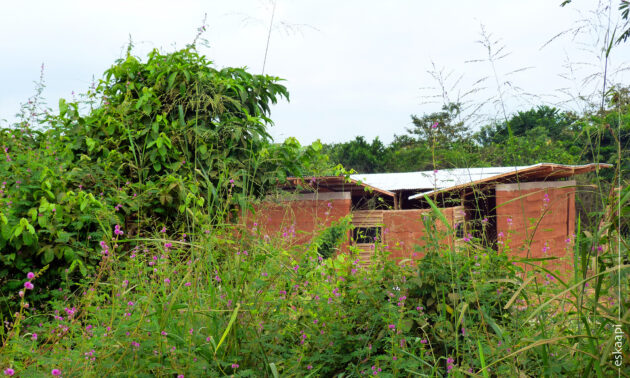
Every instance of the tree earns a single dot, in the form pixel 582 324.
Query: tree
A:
pixel 359 154
pixel 442 127
pixel 558 126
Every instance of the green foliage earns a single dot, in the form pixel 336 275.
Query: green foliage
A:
pixel 171 127
pixel 45 217
pixel 441 128
pixel 538 135
pixel 360 155
pixel 168 141
pixel 250 306
pixel 176 145
pixel 328 242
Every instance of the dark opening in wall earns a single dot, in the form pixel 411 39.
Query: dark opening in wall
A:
pixel 366 235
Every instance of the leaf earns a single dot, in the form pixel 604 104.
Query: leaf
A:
pixel 63 237
pixel 69 254
pixel 49 256
pixel 27 238
pixel 274 370
pixel 518 291
pixel 227 330
pixel 482 360
pixel 84 204
pixel 439 213
pixel 171 80
pixel 180 113
pixel 63 107
pixel 491 323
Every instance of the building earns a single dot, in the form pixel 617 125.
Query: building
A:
pixel 531 209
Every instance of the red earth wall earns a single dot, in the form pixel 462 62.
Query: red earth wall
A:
pixel 537 219
pixel 297 220
pixel 403 230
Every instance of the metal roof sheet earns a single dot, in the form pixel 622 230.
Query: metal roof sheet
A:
pixel 337 184
pixel 430 180
pixel 541 171
pixel 449 179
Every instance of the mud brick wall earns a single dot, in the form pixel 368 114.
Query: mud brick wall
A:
pixel 542 213
pixel 403 230
pixel 298 218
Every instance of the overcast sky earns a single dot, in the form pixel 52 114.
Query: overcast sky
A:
pixel 352 67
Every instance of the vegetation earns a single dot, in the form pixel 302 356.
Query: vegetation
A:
pixel 124 248
pixel 539 135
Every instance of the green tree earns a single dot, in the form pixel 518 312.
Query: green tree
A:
pixel 359 154
pixel 177 129
pixel 558 126
pixel 441 128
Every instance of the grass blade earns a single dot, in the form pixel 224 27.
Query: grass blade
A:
pixel 227 330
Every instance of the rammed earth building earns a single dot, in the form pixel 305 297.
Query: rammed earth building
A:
pixel 530 210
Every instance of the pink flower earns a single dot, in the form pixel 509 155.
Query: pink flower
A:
pixel 235 366
pixel 118 231
pixel 30 275
pixel 28 285
pixel 392 326
pixel 435 125
pixel 449 363
pixel 168 245
pixel 309 367
pixel 167 281
pixel 163 333
pixel 56 372
pixel 34 336
pixel 187 284
pixel 9 372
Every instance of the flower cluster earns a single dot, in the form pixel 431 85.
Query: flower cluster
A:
pixel 118 231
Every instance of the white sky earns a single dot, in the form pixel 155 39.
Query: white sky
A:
pixel 352 67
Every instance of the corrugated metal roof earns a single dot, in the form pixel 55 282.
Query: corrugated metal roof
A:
pixel 337 184
pixel 451 179
pixel 537 172
pixel 430 180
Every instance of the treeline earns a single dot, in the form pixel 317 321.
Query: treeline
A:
pixel 441 140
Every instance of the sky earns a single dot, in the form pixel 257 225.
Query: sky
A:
pixel 352 67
